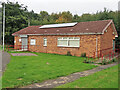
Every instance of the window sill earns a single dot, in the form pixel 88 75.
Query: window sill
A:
pixel 70 46
pixel 45 45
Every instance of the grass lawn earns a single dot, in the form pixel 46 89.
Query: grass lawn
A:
pixel 25 70
pixel 107 78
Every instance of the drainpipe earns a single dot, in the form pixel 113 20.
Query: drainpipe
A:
pixel 96 45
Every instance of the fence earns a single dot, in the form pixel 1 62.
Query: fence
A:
pixel 107 53
pixel 17 47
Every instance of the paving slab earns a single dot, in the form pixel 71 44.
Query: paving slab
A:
pixel 23 54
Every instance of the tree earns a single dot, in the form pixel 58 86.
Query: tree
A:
pixel 64 17
pixel 76 18
pixel 15 20
pixel 0 24
pixel 44 15
pixel 104 15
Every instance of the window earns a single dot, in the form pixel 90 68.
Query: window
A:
pixel 69 41
pixel 32 42
pixel 45 42
pixel 62 42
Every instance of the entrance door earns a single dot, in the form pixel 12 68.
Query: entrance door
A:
pixel 113 45
pixel 24 43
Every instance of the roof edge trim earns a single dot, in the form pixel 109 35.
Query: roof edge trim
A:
pixel 64 34
pixel 106 26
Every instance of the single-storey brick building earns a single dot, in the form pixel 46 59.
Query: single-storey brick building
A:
pixel 77 38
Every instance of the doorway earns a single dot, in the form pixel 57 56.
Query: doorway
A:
pixel 24 43
pixel 113 45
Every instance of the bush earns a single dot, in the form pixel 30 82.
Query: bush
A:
pixel 69 54
pixel 110 62
pixel 104 62
pixel 114 60
pixel 87 61
pixel 83 55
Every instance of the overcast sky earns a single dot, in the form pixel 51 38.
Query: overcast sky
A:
pixel 74 6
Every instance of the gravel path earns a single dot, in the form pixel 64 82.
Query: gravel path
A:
pixel 23 54
pixel 66 79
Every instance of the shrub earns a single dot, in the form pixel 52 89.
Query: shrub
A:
pixel 69 53
pixel 110 61
pixel 83 55
pixel 87 61
pixel 104 62
pixel 114 60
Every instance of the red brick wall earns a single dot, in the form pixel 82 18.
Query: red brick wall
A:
pixel 17 44
pixel 107 41
pixel 87 44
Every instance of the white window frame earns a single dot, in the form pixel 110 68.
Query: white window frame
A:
pixel 68 39
pixel 44 39
pixel 32 40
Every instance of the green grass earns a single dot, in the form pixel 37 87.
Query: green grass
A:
pixel 25 70
pixel 0 83
pixel 107 78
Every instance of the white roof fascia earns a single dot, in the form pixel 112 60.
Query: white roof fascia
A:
pixel 116 35
pixel 106 26
pixel 69 34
